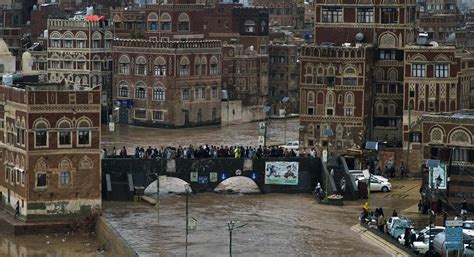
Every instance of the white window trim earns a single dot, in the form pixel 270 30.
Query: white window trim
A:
pixel 135 117
pixel 60 185
pixel 47 139
pixel 64 146
pixel 153 116
pixel 90 137
pixel 36 180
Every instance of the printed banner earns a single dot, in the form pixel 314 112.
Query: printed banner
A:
pixel 439 173
pixel 281 173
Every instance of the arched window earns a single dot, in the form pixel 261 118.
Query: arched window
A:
pixel 84 133
pixel 308 73
pixel 183 22
pixel 350 77
pixel 41 133
pixel 330 103
pixel 310 97
pixel 204 65
pixel 392 109
pixel 96 63
pixel 379 109
pixel 460 137
pixel 123 89
pixel 214 66
pixel 349 99
pixel 436 135
pixel 159 93
pixel 393 75
pixel 140 64
pixel 96 40
pixel 55 40
pixel 64 133
pixel 165 21
pixel 160 67
pixel 124 65
pixel 249 26
pixel 81 39
pixel 320 76
pixel 379 75
pixel 68 39
pixel 184 67
pixel 140 90
pixel 152 21
pixel 197 66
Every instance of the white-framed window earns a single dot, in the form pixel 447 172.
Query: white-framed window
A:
pixel 65 178
pixel 332 14
pixel 158 94
pixel 159 70
pixel 41 180
pixel 140 92
pixel 158 115
pixel 140 114
pixel 17 177
pixel 123 90
pixel 365 15
pixel 64 134
pixel 441 70
pixel 418 70
pixel 83 133
pixel 124 65
pixel 185 94
pixel 249 26
pixel 214 92
pixel 41 134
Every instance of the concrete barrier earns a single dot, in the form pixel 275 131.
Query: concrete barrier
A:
pixel 112 240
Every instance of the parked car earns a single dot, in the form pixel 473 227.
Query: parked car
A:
pixel 468 227
pixel 421 247
pixel 469 250
pixel 439 242
pixel 292 145
pixel 426 231
pixel 398 227
pixel 390 222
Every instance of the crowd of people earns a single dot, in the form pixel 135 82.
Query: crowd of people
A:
pixel 207 151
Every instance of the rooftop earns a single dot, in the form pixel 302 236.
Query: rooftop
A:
pixel 460 115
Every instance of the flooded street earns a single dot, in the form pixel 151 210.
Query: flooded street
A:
pixel 242 134
pixel 55 245
pixel 277 225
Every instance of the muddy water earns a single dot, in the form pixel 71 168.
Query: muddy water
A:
pixel 243 134
pixel 54 245
pixel 277 225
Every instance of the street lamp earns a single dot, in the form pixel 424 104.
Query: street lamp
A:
pixel 266 109
pixel 431 164
pixel 327 133
pixel 231 227
pixel 188 190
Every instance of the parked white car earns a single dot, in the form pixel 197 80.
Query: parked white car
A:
pixel 426 231
pixel 377 184
pixel 292 145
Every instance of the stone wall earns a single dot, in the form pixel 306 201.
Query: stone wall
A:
pixel 112 240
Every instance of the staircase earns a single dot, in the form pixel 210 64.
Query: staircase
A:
pixel 120 192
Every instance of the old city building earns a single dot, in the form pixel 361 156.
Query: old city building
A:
pixel 449 137
pixel 167 84
pixel 245 83
pixel 439 19
pixel 431 84
pixel 50 150
pixel 11 21
pixel 283 77
pixel 80 53
pixel 357 44
pixel 285 13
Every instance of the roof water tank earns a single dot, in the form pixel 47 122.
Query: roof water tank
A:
pixel 7 79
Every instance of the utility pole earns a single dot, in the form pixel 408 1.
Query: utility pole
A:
pixel 187 217
pixel 158 197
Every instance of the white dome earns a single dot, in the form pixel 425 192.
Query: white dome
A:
pixel 238 185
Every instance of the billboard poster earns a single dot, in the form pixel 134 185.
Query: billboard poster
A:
pixel 281 173
pixel 388 159
pixel 440 172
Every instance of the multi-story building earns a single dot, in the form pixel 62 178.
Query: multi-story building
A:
pixel 432 84
pixel 50 151
pixel 283 77
pixel 245 80
pixel 11 21
pixel 357 44
pixel 439 19
pixel 449 138
pixel 168 84
pixel 80 54
pixel 286 13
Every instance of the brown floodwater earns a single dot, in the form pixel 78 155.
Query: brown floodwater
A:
pixel 242 134
pixel 52 245
pixel 276 225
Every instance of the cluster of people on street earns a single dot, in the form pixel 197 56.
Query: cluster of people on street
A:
pixel 389 172
pixel 207 151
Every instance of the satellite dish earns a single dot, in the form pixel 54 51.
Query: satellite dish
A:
pixel 434 44
pixel 359 36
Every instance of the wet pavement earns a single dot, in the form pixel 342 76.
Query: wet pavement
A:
pixel 242 134
pixel 54 245
pixel 277 225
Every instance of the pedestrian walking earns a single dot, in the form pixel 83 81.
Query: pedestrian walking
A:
pixel 402 170
pixel 463 207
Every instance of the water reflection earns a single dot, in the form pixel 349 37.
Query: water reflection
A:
pixel 48 246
